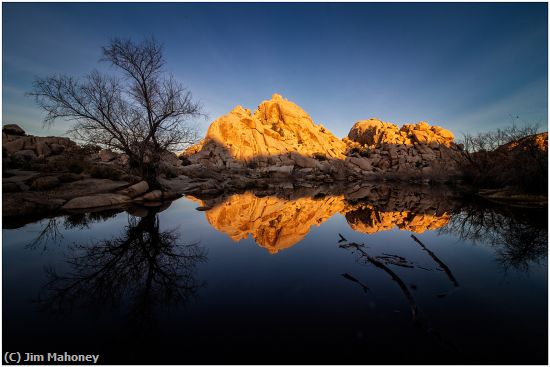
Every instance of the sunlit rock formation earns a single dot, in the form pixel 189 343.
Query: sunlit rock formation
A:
pixel 413 148
pixel 373 132
pixel 280 140
pixel 278 223
pixel 278 133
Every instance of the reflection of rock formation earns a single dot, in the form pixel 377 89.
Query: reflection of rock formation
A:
pixel 278 223
pixel 369 220
pixel 274 223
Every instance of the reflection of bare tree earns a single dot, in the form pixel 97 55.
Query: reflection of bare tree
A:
pixel 83 220
pixel 50 234
pixel 520 237
pixel 142 267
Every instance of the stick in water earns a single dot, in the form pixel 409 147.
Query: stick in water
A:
pixel 436 259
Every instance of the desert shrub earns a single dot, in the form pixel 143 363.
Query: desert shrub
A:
pixel 104 171
pixel 88 149
pixel 320 156
pixel 25 164
pixel 169 174
pixel 365 153
pixel 76 166
pixel 184 160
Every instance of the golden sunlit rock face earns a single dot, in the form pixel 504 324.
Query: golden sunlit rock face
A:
pixel 280 139
pixel 277 128
pixel 277 223
pixel 373 132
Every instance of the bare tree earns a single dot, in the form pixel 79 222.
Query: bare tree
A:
pixel 140 110
pixel 506 157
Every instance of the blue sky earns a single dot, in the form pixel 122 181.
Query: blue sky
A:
pixel 466 67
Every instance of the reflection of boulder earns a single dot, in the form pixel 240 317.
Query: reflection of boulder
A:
pixel 278 222
pixel 274 223
pixel 369 220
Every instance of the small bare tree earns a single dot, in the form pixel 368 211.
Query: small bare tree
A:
pixel 506 157
pixel 139 111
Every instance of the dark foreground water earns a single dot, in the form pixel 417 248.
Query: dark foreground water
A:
pixel 302 277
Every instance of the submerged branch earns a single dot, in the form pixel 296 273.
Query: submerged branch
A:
pixel 395 277
pixel 437 260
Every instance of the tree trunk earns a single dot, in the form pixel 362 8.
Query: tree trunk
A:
pixel 148 171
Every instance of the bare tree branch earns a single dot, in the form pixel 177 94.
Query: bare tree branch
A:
pixel 139 111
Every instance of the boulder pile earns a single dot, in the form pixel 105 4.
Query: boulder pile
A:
pixel 279 134
pixel 280 140
pixel 17 144
pixel 419 148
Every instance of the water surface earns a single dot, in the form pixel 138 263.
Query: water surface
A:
pixel 366 275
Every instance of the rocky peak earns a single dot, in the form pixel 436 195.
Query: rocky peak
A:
pixel 277 129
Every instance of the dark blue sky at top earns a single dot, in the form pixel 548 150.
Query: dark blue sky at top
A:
pixel 466 67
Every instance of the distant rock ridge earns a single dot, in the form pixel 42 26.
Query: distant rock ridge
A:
pixel 532 142
pixel 280 139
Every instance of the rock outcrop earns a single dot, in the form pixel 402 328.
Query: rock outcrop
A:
pixel 279 140
pixel 532 143
pixel 409 150
pixel 277 133
pixel 27 147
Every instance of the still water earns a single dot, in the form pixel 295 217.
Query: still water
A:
pixel 372 275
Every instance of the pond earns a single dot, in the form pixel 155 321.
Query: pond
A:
pixel 371 275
